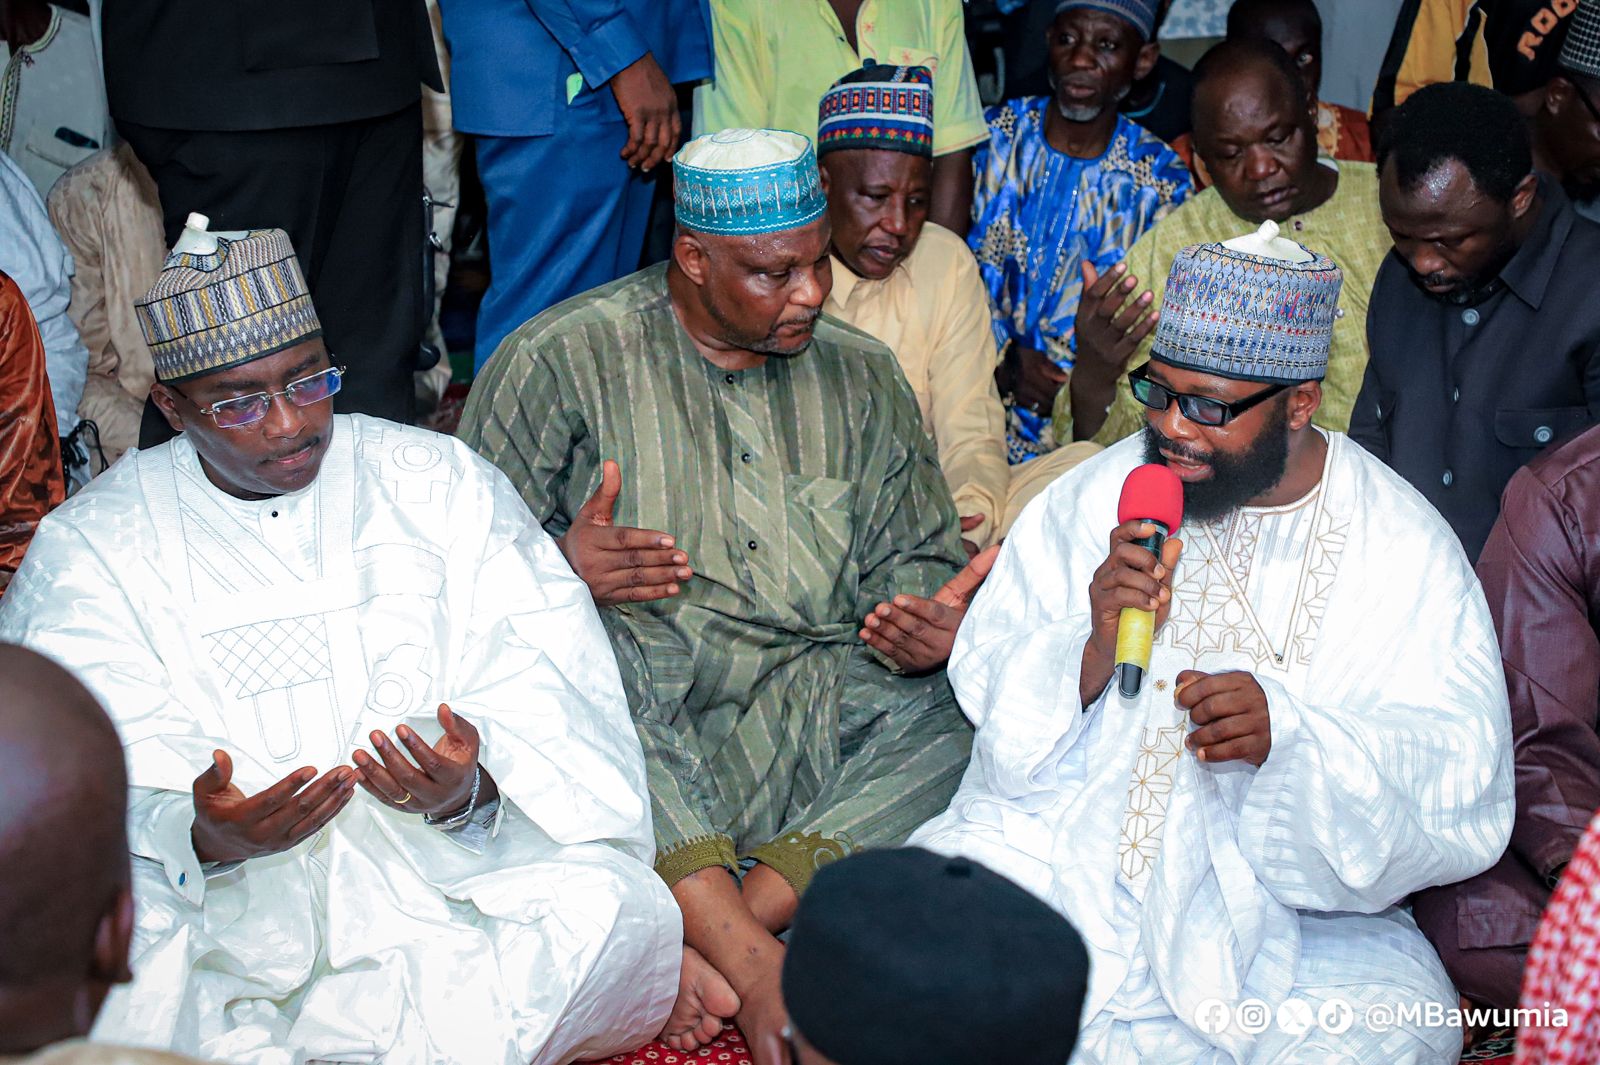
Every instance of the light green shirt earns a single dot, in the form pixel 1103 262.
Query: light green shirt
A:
pixel 804 492
pixel 1348 229
pixel 775 59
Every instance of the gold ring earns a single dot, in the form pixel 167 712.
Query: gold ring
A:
pixel 402 802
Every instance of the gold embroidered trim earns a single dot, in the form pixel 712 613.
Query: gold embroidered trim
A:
pixel 797 856
pixel 693 855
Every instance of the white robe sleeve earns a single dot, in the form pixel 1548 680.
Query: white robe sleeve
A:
pixel 1400 776
pixel 66 603
pixel 1018 655
pixel 539 681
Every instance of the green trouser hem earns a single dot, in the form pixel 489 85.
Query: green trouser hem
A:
pixel 692 855
pixel 797 856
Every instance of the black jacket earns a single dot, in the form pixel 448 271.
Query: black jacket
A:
pixel 1457 399
pixel 264 64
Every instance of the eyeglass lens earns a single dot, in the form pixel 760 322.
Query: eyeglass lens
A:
pixel 1199 409
pixel 231 413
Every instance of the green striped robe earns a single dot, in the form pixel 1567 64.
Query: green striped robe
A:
pixel 804 492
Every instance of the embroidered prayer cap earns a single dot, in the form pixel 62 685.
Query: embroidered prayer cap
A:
pixel 878 106
pixel 741 181
pixel 1141 13
pixel 223 299
pixel 1580 52
pixel 1254 308
pixel 905 956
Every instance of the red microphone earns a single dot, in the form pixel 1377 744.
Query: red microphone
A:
pixel 1152 493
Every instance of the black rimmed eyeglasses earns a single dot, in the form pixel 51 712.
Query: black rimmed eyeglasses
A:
pixel 243 410
pixel 1202 410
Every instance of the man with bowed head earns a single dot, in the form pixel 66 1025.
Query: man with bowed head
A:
pixel 741 480
pixel 279 585
pixel 1322 728
pixel 64 937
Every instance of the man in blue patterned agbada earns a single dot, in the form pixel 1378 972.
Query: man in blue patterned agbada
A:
pixel 1064 187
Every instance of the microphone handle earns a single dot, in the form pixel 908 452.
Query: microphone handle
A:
pixel 1136 631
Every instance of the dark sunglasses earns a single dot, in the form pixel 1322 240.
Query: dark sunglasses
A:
pixel 1202 410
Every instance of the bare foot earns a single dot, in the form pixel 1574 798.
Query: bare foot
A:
pixel 705 1000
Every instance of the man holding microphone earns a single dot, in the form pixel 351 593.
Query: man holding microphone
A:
pixel 1321 730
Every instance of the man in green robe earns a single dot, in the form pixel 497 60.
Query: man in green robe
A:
pixel 747 490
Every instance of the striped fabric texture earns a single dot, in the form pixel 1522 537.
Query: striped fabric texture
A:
pixel 804 492
pixel 241 302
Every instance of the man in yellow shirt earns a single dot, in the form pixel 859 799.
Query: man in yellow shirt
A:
pixel 915 286
pixel 1255 130
pixel 775 59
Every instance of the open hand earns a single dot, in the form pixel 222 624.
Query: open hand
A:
pixel 440 780
pixel 650 107
pixel 229 827
pixel 916 634
pixel 621 564
pixel 1229 712
pixel 1109 326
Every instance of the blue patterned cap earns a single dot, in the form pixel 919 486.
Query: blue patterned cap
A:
pixel 1141 13
pixel 742 181
pixel 882 107
pixel 1255 308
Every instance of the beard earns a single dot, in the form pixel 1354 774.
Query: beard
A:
pixel 1088 112
pixel 769 344
pixel 1235 479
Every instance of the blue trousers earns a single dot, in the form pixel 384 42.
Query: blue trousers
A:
pixel 566 215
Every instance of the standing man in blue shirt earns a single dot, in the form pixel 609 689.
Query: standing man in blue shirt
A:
pixel 572 105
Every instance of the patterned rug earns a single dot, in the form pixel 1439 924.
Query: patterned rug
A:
pixel 728 1049
pixel 1497 1046
pixel 1494 1048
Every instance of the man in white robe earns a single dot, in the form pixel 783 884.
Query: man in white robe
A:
pixel 279 586
pixel 1323 727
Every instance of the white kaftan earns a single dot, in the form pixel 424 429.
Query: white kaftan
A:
pixel 285 630
pixel 1390 767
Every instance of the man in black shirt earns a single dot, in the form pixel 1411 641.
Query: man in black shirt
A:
pixel 301 115
pixel 1483 328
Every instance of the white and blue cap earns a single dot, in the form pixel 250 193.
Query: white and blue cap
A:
pixel 1254 308
pixel 743 181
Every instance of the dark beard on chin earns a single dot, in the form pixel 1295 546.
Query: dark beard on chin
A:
pixel 1235 479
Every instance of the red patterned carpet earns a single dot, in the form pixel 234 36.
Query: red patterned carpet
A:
pixel 729 1049
pixel 1496 1048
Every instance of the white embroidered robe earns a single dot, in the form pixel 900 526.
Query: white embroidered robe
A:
pixel 1390 766
pixel 284 631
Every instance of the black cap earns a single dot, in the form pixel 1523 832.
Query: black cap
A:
pixel 906 956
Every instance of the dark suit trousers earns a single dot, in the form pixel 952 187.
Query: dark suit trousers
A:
pixel 350 197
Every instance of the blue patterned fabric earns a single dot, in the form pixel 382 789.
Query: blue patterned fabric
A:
pixel 878 107
pixel 757 199
pixel 1142 13
pixel 1038 215
pixel 1247 317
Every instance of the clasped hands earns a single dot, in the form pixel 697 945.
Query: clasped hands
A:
pixel 435 780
